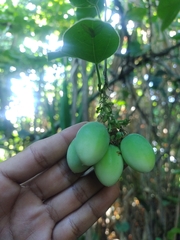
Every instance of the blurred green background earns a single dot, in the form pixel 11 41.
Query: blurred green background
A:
pixel 39 98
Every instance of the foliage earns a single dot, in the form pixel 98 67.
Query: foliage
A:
pixel 167 11
pixel 84 40
pixel 143 86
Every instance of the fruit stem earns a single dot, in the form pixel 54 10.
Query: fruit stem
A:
pixel 99 77
pixel 105 112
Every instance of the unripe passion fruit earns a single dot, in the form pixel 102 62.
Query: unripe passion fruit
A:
pixel 137 152
pixel 73 160
pixel 92 141
pixel 109 169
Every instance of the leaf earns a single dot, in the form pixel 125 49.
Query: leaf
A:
pixel 167 11
pixel 90 11
pixel 84 3
pixel 176 37
pixel 171 199
pixel 135 48
pixel 136 14
pixel 172 233
pixel 86 12
pixel 89 39
pixel 175 171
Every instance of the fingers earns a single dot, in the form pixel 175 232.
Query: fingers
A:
pixel 80 220
pixel 74 197
pixel 53 181
pixel 39 156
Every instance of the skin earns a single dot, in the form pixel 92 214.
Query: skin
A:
pixel 40 198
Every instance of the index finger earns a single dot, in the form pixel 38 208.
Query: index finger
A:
pixel 39 156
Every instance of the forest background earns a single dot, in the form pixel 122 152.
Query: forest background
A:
pixel 39 98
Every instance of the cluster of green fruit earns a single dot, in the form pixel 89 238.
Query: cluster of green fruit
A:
pixel 92 147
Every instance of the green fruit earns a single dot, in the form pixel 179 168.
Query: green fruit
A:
pixel 73 160
pixel 137 152
pixel 109 169
pixel 92 141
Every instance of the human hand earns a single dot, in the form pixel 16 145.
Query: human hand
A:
pixel 41 199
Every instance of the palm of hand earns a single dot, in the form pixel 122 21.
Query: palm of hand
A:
pixel 23 214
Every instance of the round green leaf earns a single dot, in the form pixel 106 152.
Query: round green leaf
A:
pixel 89 39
